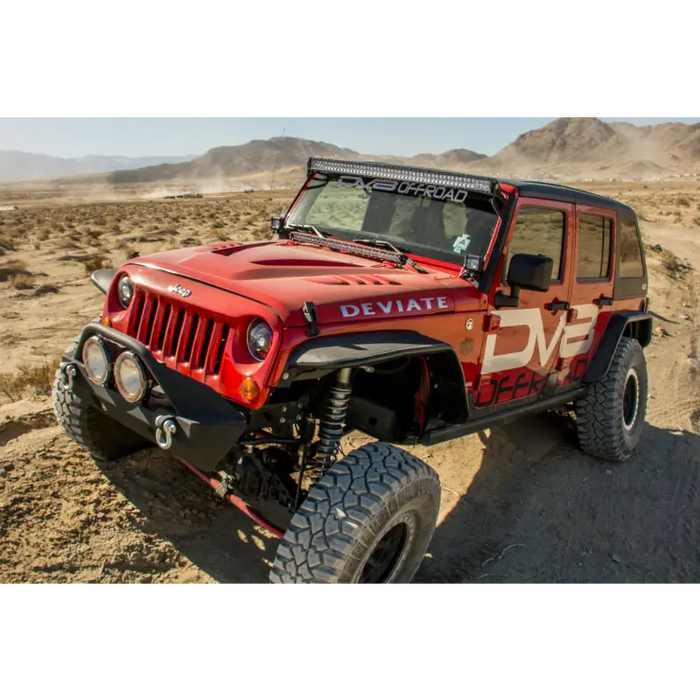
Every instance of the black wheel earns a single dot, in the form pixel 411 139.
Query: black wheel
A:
pixel 610 420
pixel 368 520
pixel 102 437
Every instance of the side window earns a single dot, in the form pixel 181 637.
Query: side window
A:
pixel 539 230
pixel 631 264
pixel 594 244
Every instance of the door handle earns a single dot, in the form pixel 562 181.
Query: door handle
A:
pixel 558 306
pixel 604 301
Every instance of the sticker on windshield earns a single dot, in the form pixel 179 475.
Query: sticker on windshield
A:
pixel 461 244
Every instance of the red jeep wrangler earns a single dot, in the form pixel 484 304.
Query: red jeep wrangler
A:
pixel 414 305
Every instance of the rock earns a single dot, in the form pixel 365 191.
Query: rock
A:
pixel 616 559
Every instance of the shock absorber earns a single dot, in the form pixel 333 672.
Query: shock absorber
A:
pixel 331 428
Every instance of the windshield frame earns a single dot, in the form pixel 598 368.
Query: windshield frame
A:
pixel 424 253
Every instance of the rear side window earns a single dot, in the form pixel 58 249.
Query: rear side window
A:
pixel 631 264
pixel 594 245
pixel 539 231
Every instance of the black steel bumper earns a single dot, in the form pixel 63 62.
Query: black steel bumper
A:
pixel 204 426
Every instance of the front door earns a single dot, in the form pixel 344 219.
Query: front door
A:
pixel 522 346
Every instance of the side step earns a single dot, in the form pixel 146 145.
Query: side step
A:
pixel 452 432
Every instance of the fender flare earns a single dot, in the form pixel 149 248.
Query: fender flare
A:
pixel 322 355
pixel 102 279
pixel 634 324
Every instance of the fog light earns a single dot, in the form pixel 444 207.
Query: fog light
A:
pixel 96 360
pixel 130 377
pixel 249 389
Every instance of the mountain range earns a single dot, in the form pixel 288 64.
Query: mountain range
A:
pixel 17 166
pixel 564 149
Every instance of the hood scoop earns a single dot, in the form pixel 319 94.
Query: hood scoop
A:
pixel 355 280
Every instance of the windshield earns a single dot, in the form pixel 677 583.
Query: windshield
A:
pixel 439 229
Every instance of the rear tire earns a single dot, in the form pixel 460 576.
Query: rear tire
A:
pixel 102 437
pixel 368 520
pixel 610 420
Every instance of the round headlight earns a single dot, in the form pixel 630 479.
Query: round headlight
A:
pixel 130 377
pixel 125 291
pixel 259 337
pixel 96 360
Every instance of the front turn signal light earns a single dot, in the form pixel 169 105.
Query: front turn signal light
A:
pixel 249 389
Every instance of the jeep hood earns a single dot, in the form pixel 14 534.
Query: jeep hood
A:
pixel 284 275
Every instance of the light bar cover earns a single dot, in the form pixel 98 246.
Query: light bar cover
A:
pixel 423 176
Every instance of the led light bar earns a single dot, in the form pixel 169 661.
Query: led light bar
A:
pixel 423 176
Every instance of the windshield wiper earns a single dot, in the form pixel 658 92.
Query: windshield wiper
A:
pixel 378 243
pixel 307 227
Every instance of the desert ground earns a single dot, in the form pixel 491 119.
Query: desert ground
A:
pixel 520 503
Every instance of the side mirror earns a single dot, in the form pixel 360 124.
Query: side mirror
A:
pixel 526 271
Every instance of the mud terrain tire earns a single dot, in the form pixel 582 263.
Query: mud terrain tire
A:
pixel 102 437
pixel 368 520
pixel 610 420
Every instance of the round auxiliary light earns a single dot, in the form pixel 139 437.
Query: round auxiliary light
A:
pixel 96 360
pixel 259 338
pixel 130 377
pixel 125 291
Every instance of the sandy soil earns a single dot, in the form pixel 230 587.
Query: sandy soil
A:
pixel 520 503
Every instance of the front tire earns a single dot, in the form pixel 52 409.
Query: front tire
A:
pixel 102 437
pixel 610 420
pixel 368 520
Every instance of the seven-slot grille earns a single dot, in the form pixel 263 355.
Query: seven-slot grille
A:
pixel 179 336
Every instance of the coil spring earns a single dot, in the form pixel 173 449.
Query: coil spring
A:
pixel 331 428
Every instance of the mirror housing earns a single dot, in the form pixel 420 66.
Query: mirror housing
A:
pixel 526 271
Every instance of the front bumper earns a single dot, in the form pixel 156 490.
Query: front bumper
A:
pixel 204 425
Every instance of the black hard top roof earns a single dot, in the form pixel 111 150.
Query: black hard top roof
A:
pixel 562 193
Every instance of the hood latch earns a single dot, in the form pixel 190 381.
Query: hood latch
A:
pixel 311 317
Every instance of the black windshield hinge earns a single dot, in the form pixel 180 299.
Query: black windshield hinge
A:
pixel 311 317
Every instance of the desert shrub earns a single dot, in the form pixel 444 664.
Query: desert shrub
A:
pixel 696 220
pixel 29 379
pixel 10 269
pixel 673 265
pixel 44 289
pixel 682 202
pixel 95 263
pixel 21 281
pixel 261 233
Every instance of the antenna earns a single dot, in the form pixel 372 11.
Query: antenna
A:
pixel 277 162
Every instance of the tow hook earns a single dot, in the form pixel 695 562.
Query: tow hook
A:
pixel 165 429
pixel 68 373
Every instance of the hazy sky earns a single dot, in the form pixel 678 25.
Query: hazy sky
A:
pixel 185 136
